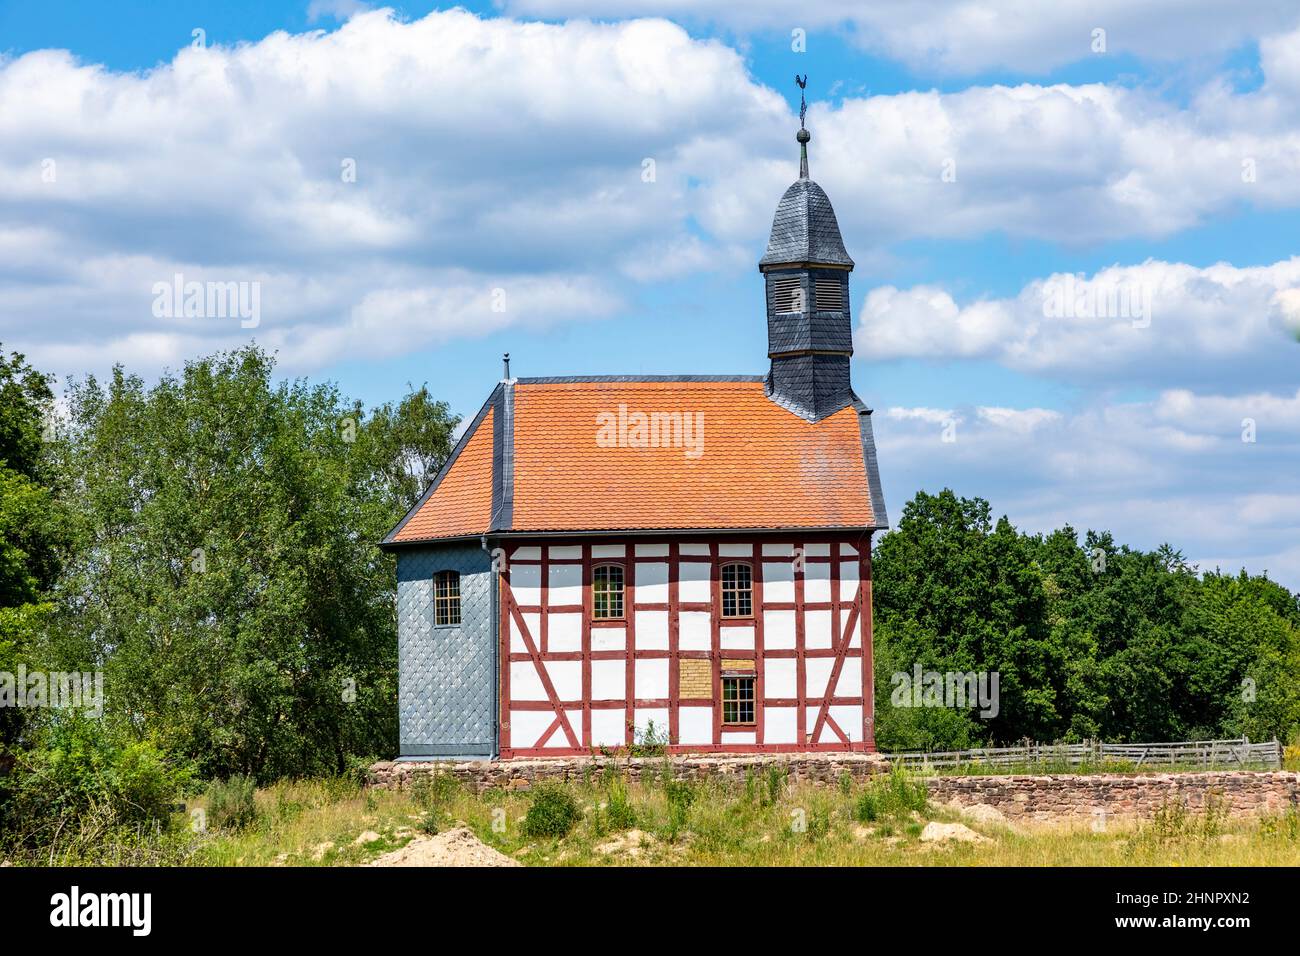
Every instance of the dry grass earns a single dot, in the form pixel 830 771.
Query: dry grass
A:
pixel 758 822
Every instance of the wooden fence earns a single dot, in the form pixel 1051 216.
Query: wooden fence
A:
pixel 1185 753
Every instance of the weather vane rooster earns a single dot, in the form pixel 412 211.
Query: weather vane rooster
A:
pixel 803 106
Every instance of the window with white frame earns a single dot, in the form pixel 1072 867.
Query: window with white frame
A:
pixel 737 590
pixel 446 598
pixel 607 592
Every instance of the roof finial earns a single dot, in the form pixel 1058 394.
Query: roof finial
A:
pixel 803 135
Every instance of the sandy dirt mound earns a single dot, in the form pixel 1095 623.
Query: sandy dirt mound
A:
pixel 458 847
pixel 935 832
pixel 632 843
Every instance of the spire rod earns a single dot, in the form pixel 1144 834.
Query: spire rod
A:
pixel 803 135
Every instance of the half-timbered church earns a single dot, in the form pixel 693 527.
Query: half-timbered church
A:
pixel 613 560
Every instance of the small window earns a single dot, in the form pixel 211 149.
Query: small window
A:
pixel 830 295
pixel 737 700
pixel 787 294
pixel 446 599
pixel 607 591
pixel 737 590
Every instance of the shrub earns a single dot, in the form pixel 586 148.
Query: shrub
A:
pixel 231 804
pixel 77 768
pixel 142 786
pixel 357 769
pixel 894 795
pixel 429 822
pixel 1291 757
pixel 552 812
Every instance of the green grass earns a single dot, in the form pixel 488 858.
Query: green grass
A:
pixel 759 821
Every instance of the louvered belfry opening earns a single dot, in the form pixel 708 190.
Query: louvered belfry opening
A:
pixel 810 337
pixel 788 294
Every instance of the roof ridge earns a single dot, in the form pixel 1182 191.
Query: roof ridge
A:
pixel 631 379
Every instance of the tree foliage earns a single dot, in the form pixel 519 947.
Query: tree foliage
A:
pixel 224 571
pixel 31 526
pixel 1089 639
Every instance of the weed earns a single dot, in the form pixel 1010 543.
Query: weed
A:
pixel 619 814
pixel 776 780
pixel 680 795
pixel 231 804
pixel 894 795
pixel 429 822
pixel 650 742
pixel 552 812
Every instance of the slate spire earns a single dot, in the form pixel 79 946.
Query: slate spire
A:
pixel 806 269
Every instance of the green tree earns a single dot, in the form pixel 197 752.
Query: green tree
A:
pixel 226 572
pixel 1090 639
pixel 955 592
pixel 31 526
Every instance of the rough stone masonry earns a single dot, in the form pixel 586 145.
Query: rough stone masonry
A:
pixel 1017 797
pixel 1054 796
pixel 824 769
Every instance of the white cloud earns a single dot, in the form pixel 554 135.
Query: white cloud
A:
pixel 966 36
pixel 491 148
pixel 487 153
pixel 1146 324
pixel 1071 164
pixel 335 9
pixel 1174 469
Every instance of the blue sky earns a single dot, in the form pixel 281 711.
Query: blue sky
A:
pixel 503 149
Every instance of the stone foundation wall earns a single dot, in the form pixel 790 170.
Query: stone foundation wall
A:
pixel 1019 797
pixel 1062 795
pixel 521 774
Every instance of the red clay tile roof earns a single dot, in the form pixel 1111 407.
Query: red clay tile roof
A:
pixel 461 502
pixel 585 460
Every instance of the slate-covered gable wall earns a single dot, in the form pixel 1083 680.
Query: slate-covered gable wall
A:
pixel 447 675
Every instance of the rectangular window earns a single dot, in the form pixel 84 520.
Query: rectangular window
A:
pixel 737 700
pixel 446 599
pixel 607 591
pixel 737 590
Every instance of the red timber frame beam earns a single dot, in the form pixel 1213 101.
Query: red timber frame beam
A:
pixel 561 718
pixel 846 616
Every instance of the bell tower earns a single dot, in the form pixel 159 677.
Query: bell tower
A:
pixel 806 269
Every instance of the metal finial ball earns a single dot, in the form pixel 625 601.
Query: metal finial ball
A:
pixel 803 136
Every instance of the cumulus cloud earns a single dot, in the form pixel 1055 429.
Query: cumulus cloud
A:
pixel 967 36
pixel 391 162
pixel 378 182
pixel 1181 468
pixel 1070 164
pixel 1148 324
